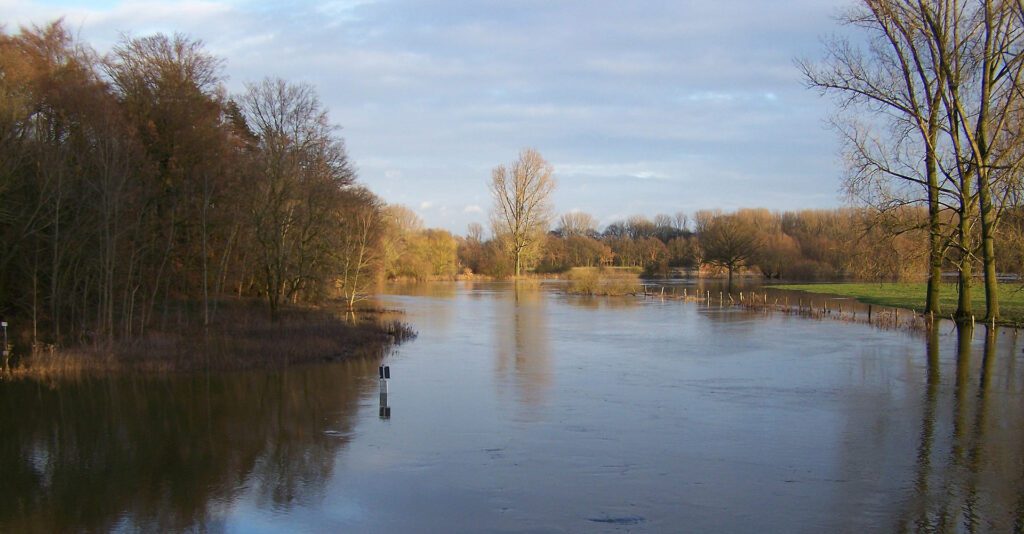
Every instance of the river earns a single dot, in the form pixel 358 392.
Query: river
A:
pixel 531 410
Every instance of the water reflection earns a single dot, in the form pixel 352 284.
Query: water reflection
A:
pixel 667 415
pixel 170 454
pixel 522 343
pixel 603 303
pixel 968 479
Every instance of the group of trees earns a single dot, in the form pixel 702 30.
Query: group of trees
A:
pixel 932 107
pixel 134 188
pixel 853 243
pixel 890 242
pixel 411 252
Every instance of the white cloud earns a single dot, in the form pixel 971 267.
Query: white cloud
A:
pixel 645 106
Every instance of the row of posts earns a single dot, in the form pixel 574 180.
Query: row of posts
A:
pixel 752 299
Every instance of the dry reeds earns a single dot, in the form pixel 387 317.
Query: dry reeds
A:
pixel 242 337
pixel 603 282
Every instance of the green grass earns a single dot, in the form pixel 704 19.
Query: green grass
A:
pixel 911 296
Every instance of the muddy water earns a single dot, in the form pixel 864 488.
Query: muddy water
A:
pixel 531 410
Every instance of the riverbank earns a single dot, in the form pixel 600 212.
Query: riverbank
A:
pixel 911 296
pixel 242 336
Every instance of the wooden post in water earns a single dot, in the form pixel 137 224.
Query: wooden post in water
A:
pixel 869 314
pixel 896 317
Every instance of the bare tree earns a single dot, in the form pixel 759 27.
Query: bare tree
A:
pixel 475 232
pixel 577 223
pixel 936 90
pixel 979 49
pixel 727 240
pixel 357 251
pixel 300 172
pixel 895 80
pixel 522 209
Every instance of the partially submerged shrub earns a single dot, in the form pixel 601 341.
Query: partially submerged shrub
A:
pixel 605 282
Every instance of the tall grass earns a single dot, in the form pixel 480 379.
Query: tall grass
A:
pixel 603 282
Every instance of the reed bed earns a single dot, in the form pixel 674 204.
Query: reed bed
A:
pixel 242 337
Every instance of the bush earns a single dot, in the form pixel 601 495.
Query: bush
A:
pixel 606 282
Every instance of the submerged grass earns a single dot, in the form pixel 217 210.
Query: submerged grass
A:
pixel 603 282
pixel 912 296
pixel 242 337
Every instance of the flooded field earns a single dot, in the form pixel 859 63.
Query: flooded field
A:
pixel 531 410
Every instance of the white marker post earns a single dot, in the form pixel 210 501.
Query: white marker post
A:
pixel 385 374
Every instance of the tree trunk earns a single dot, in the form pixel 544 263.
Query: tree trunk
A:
pixel 935 238
pixel 963 304
pixel 988 251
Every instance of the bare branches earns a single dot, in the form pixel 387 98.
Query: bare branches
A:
pixel 522 209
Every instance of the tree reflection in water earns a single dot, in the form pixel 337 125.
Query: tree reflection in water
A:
pixel 173 453
pixel 523 345
pixel 976 486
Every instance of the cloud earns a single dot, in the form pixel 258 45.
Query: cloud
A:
pixel 639 105
pixel 473 208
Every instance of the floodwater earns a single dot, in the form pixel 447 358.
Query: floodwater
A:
pixel 531 410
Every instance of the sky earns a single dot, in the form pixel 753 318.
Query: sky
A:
pixel 642 107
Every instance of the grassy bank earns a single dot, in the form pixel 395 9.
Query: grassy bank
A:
pixel 912 295
pixel 242 336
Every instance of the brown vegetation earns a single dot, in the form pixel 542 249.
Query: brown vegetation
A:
pixel 609 282
pixel 243 336
pixel 132 183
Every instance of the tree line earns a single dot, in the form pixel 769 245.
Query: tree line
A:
pixel 855 243
pixel 135 189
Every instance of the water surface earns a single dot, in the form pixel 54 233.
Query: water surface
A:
pixel 530 410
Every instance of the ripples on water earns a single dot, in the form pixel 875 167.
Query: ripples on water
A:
pixel 532 410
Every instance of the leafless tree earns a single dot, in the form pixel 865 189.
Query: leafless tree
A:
pixel 727 241
pixel 893 81
pixel 522 203
pixel 301 170
pixel 932 98
pixel 357 253
pixel 577 223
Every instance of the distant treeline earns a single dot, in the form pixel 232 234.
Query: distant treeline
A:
pixel 134 191
pixel 845 243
